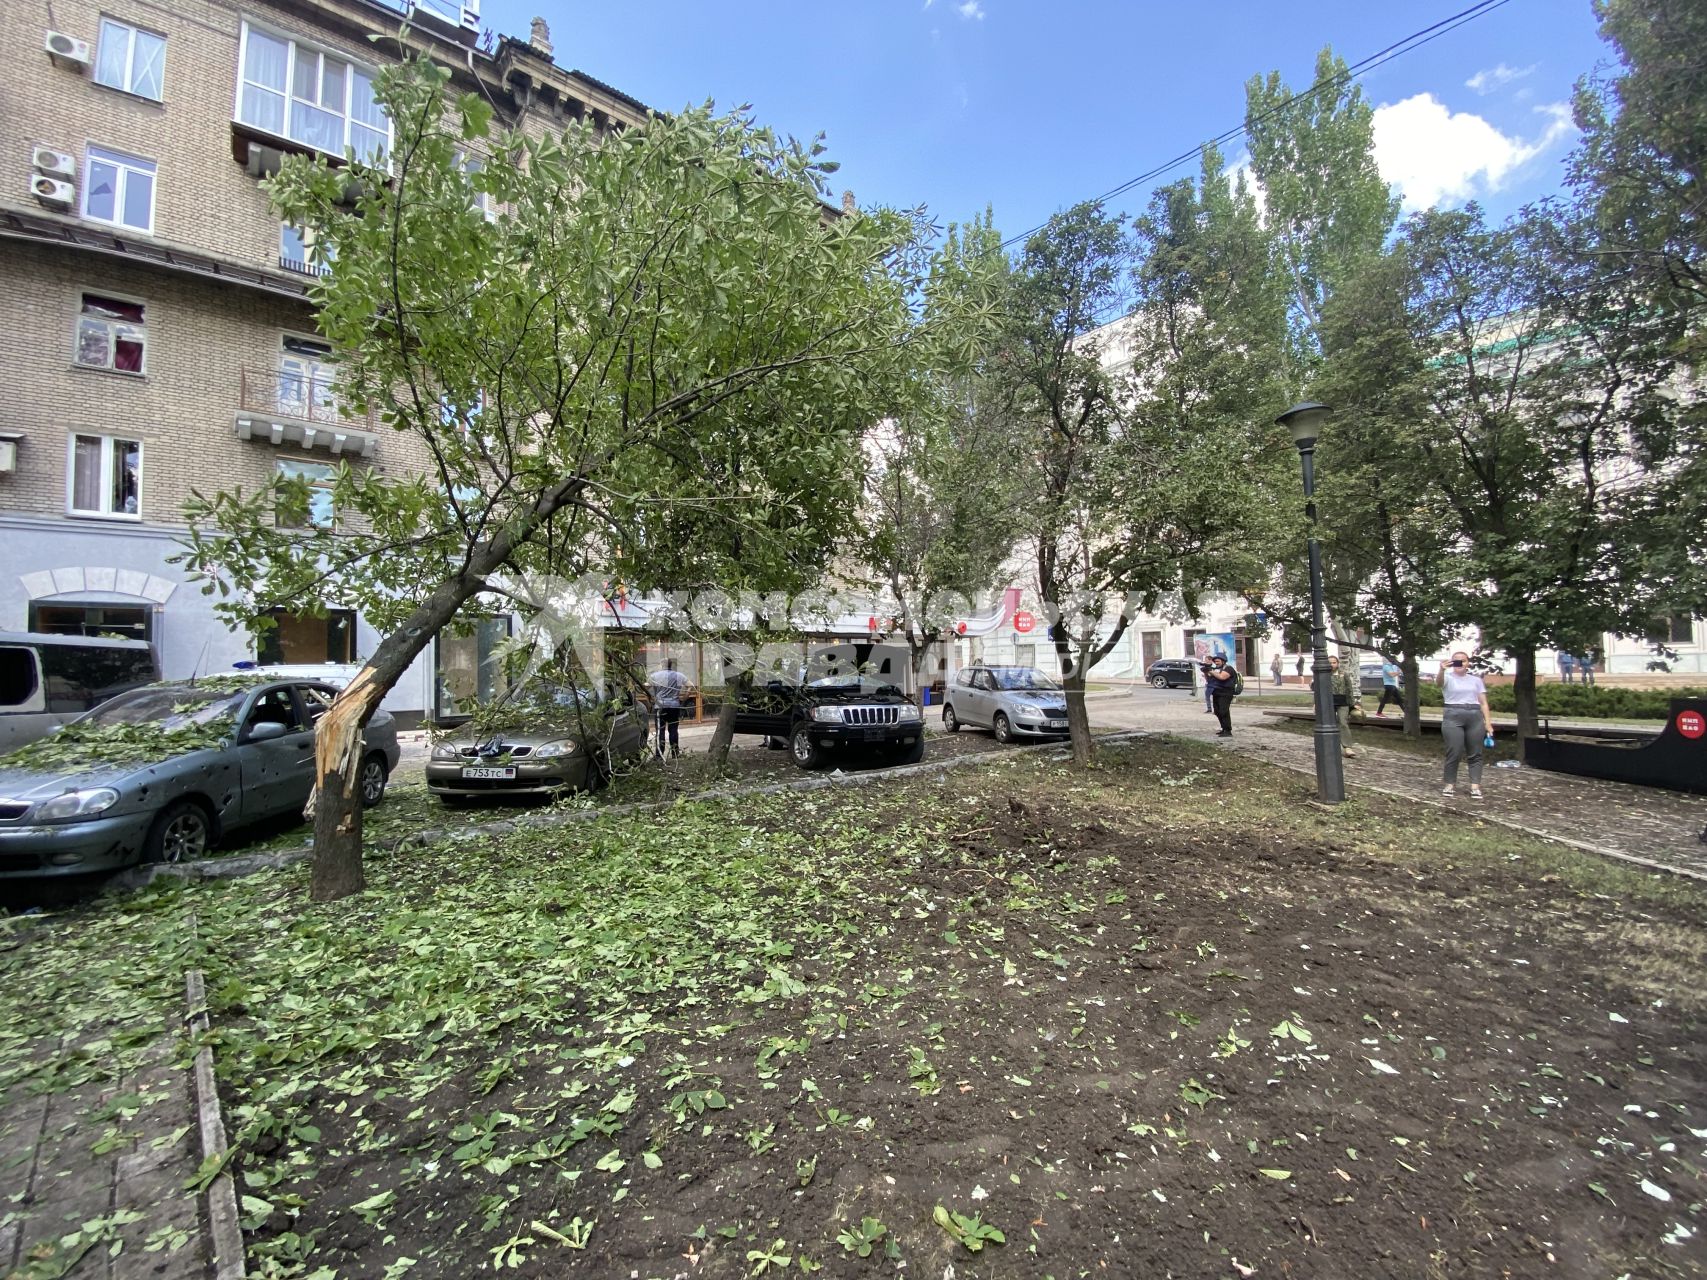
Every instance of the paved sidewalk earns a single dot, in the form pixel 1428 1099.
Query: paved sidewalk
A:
pixel 1642 823
pixel 95 1175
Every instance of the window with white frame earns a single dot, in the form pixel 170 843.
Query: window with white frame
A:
pixel 318 476
pixel 111 335
pixel 105 477
pixel 323 101
pixel 131 59
pixel 118 189
pixel 471 165
pixel 297 251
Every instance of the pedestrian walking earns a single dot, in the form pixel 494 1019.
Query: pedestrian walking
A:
pixel 1585 666
pixel 669 686
pixel 1300 666
pixel 1567 666
pixel 1464 723
pixel 1392 688
pixel 1347 695
pixel 1278 671
pixel 1224 685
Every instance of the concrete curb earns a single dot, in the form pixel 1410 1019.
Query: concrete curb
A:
pixel 221 1194
pixel 249 864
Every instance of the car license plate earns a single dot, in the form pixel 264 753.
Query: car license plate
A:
pixel 875 735
pixel 1057 724
pixel 472 772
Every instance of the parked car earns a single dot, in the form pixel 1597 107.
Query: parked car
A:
pixel 165 772
pixel 1171 673
pixel 537 742
pixel 1013 702
pixel 822 713
pixel 46 680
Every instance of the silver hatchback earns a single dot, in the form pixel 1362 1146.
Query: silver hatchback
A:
pixel 1012 702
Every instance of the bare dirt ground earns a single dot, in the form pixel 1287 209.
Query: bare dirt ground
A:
pixel 1160 1018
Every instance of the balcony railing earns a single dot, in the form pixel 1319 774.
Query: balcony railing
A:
pixel 298 397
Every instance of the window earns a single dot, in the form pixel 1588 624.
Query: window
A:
pixel 471 165
pixel 106 476
pixel 318 476
pixel 111 335
pixel 1675 630
pixel 306 372
pixel 302 637
pixel 130 59
pixel 316 700
pixel 60 618
pixel 300 93
pixel 18 678
pixel 297 251
pixel 119 189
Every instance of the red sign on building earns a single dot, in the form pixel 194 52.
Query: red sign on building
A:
pixel 1024 622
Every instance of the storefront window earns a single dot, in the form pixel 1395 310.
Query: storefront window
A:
pixel 467 667
pixel 307 638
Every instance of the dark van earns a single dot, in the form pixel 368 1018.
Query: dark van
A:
pixel 46 680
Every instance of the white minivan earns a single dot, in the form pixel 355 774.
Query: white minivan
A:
pixel 46 680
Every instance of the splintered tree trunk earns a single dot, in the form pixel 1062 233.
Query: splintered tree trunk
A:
pixel 724 734
pixel 1523 689
pixel 337 797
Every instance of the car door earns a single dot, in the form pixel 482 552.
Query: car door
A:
pixel 277 773
pixel 24 716
pixel 977 700
pixel 766 708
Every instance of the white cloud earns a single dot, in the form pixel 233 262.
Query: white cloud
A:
pixel 1495 77
pixel 970 9
pixel 1438 156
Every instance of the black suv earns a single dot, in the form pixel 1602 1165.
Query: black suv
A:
pixel 833 714
pixel 1171 673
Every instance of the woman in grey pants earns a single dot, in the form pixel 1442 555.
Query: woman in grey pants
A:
pixel 1464 723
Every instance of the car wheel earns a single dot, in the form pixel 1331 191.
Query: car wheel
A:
pixel 1003 730
pixel 598 773
pixel 183 830
pixel 1159 682
pixel 909 754
pixel 950 721
pixel 806 753
pixel 371 780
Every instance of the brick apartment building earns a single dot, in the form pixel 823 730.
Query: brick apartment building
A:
pixel 155 332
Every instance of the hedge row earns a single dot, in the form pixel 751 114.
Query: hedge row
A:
pixel 1575 701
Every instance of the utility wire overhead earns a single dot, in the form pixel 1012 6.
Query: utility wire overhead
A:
pixel 1416 40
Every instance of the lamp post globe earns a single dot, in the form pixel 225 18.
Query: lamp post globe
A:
pixel 1305 421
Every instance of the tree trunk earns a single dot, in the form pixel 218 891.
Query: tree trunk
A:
pixel 1409 669
pixel 723 736
pixel 1078 719
pixel 1523 689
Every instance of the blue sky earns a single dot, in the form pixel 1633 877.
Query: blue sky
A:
pixel 1029 107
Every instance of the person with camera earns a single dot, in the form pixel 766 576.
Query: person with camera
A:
pixel 1223 685
pixel 1465 723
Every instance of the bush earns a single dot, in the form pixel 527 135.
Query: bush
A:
pixel 1575 701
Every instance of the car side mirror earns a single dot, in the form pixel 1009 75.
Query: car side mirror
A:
pixel 266 731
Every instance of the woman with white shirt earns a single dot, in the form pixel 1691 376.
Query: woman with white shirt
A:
pixel 1464 723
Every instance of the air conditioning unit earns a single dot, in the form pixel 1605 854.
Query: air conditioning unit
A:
pixel 68 51
pixel 456 14
pixel 53 193
pixel 53 164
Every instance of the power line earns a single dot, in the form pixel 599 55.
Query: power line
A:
pixel 1416 40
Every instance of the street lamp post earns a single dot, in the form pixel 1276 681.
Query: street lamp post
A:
pixel 1304 422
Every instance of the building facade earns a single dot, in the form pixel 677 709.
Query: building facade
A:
pixel 155 329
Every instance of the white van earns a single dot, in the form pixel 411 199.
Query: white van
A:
pixel 46 680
